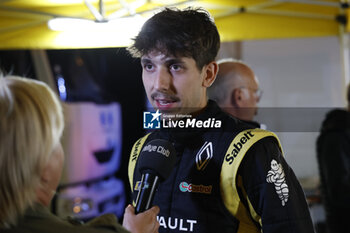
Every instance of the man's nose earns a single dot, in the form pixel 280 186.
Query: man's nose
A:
pixel 258 95
pixel 162 80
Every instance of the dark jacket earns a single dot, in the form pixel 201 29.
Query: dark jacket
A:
pixel 253 124
pixel 191 199
pixel 333 155
pixel 40 220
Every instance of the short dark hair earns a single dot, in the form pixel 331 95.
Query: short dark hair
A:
pixel 189 32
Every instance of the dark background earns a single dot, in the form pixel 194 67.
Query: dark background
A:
pixel 95 75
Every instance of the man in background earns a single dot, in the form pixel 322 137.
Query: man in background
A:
pixel 236 90
pixel 333 155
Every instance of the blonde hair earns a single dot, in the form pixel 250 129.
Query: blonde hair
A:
pixel 31 124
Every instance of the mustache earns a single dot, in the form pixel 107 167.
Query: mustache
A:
pixel 166 96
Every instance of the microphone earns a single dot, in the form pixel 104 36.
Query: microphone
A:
pixel 155 163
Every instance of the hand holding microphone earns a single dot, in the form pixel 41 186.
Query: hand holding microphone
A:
pixel 145 222
pixel 155 163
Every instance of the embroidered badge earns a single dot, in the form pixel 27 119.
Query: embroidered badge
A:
pixel 276 176
pixel 204 155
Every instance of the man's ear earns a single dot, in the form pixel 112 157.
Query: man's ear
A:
pixel 210 72
pixel 236 97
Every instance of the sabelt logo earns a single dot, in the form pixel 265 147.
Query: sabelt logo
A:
pixel 238 146
pixel 192 188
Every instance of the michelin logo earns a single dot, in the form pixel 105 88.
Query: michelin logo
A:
pixel 151 120
pixel 277 177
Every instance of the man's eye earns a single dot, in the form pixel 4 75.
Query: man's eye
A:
pixel 148 66
pixel 175 67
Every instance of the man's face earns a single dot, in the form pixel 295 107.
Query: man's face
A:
pixel 252 88
pixel 251 97
pixel 173 84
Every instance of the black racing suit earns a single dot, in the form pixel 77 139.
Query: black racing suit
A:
pixel 190 200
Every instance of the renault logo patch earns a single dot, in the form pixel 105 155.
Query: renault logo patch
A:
pixel 204 155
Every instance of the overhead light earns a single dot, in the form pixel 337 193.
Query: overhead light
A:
pixel 125 24
pixel 117 29
pixel 68 24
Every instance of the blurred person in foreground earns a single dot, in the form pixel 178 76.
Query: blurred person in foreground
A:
pixel 236 90
pixel 228 177
pixel 31 162
pixel 333 156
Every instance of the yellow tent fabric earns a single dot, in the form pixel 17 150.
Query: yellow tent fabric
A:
pixel 23 23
